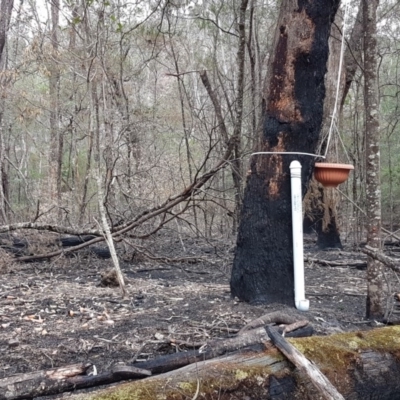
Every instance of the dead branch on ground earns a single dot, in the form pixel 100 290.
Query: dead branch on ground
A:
pixel 336 263
pixel 390 262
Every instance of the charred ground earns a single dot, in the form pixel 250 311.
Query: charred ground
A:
pixel 58 313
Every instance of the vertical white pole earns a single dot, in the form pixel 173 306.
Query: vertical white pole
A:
pixel 297 226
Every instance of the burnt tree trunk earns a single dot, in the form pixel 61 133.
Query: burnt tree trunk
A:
pixel 294 95
pixel 321 216
pixel 323 202
pixel 328 236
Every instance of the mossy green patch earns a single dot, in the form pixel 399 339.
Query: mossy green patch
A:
pixel 218 380
pixel 335 353
pixel 337 356
pixel 240 374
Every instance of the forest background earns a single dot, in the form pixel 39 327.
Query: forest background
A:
pixel 150 96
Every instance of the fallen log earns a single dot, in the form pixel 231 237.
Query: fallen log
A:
pixel 360 365
pixel 72 377
pixel 58 380
pixel 69 241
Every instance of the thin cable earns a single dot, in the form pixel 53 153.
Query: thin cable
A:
pixel 288 152
pixel 338 79
pixel 342 143
pixel 333 124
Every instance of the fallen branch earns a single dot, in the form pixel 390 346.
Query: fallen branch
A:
pixel 318 379
pixel 207 351
pixel 213 349
pixel 390 262
pixel 276 317
pixel 108 236
pixel 342 263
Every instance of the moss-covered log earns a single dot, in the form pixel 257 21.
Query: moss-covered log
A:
pixel 361 365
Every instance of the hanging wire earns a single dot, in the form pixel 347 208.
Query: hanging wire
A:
pixel 288 152
pixel 334 114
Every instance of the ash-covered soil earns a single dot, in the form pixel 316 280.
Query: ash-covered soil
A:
pixel 57 313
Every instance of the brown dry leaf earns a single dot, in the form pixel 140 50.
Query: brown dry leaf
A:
pixel 34 318
pixel 106 315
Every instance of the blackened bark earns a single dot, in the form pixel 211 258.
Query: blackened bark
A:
pixel 320 216
pixel 328 237
pixel 263 268
pixel 324 201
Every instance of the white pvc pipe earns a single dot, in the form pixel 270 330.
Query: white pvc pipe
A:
pixel 297 227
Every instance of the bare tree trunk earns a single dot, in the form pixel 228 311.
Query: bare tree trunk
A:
pixel 93 120
pixel 237 160
pixel 4 197
pixel 5 15
pixel 373 188
pixel 6 7
pixel 56 139
pixel 263 265
pixel 255 109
